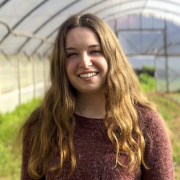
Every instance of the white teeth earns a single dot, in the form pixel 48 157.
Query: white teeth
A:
pixel 87 75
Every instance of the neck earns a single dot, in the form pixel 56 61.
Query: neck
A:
pixel 91 105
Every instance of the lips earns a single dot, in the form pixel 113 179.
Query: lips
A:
pixel 87 75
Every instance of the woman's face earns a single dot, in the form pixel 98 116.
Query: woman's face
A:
pixel 86 65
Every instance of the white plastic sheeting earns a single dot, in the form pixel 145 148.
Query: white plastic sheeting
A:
pixel 43 17
pixel 22 79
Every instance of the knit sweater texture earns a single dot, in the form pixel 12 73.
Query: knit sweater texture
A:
pixel 96 155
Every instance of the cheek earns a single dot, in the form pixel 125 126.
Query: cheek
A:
pixel 106 66
pixel 71 70
pixel 70 66
pixel 102 64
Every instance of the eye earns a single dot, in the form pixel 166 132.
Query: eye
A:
pixel 71 54
pixel 95 51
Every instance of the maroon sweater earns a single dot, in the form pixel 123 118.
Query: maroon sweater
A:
pixel 96 154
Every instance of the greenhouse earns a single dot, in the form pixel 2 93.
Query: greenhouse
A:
pixel 148 31
pixel 76 105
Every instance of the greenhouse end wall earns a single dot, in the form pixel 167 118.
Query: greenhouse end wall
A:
pixel 167 74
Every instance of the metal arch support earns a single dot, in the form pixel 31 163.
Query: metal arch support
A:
pixel 152 8
pixel 3 3
pixel 130 1
pixel 22 19
pixel 7 26
pixel 95 4
pixel 116 4
pixel 57 30
pixel 155 30
pixel 103 9
pixel 79 12
pixel 46 52
pixel 117 30
pixel 97 12
pixel 144 30
pixel 145 3
pixel 37 48
pixel 46 22
pixel 152 43
pixel 166 60
pixel 29 35
pixel 167 45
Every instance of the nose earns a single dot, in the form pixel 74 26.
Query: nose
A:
pixel 85 61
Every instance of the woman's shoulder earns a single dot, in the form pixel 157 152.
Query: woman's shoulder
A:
pixel 157 154
pixel 154 131
pixel 150 120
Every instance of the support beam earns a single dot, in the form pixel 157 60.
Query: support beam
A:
pixel 22 19
pixel 46 22
pixel 166 56
pixel 3 3
pixel 26 34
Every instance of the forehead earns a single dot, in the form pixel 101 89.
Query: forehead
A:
pixel 81 36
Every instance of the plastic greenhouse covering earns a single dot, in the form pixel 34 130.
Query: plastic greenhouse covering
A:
pixel 44 17
pixel 148 31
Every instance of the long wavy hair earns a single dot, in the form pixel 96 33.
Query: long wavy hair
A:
pixel 51 126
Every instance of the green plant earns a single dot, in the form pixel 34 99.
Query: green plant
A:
pixel 10 124
pixel 148 68
pixel 147 82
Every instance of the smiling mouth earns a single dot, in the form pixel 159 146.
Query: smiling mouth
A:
pixel 87 75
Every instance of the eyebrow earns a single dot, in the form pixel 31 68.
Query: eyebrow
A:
pixel 72 48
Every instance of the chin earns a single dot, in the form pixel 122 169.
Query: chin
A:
pixel 90 91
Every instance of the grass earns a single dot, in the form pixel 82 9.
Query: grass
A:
pixel 174 97
pixel 147 82
pixel 9 126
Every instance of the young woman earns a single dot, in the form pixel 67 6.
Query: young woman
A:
pixel 94 122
